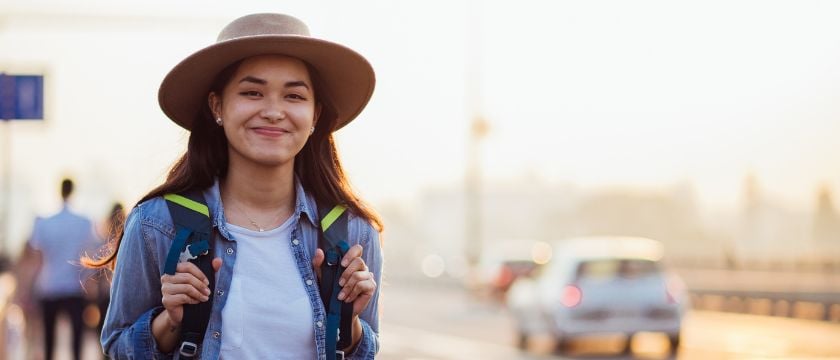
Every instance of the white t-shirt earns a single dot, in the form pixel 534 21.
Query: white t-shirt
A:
pixel 267 314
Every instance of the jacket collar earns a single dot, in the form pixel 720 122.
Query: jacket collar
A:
pixel 304 205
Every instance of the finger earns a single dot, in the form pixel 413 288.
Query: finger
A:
pixel 217 264
pixel 352 279
pixel 187 289
pixel 366 287
pixel 355 286
pixel 356 265
pixel 174 300
pixel 188 267
pixel 361 303
pixel 317 260
pixel 352 253
pixel 186 278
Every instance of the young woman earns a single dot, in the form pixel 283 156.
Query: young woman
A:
pixel 261 105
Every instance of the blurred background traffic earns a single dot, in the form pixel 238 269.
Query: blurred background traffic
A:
pixel 504 139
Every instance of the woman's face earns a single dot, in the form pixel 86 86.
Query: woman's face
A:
pixel 267 110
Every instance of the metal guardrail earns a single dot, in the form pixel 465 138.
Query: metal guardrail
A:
pixel 821 306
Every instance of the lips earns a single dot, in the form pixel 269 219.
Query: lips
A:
pixel 270 131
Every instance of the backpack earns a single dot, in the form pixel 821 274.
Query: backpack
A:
pixel 193 242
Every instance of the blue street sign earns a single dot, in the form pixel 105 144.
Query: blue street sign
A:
pixel 21 97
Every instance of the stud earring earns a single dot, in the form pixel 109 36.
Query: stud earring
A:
pixel 219 120
pixel 312 130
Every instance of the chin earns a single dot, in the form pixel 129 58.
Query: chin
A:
pixel 261 157
pixel 273 160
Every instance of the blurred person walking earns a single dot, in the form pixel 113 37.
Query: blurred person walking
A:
pixel 261 166
pixel 57 242
pixel 26 271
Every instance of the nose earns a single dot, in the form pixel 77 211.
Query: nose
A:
pixel 273 111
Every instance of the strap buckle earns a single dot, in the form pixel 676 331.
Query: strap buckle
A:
pixel 188 349
pixel 339 355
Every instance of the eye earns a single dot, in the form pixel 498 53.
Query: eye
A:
pixel 296 97
pixel 251 93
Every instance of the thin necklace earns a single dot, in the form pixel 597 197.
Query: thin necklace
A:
pixel 259 228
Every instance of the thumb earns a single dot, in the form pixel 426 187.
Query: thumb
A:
pixel 317 261
pixel 217 264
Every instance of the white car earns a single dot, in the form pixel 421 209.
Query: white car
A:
pixel 599 285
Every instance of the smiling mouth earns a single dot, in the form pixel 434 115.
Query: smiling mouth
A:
pixel 270 131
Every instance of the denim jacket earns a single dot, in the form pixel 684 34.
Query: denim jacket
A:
pixel 136 288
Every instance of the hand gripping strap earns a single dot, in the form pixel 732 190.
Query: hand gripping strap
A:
pixel 333 240
pixel 192 243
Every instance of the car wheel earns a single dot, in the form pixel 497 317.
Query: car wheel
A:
pixel 628 345
pixel 675 343
pixel 522 340
pixel 561 346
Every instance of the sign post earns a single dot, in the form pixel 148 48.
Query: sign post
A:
pixel 21 98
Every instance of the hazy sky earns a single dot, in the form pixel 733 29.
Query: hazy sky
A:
pixel 606 93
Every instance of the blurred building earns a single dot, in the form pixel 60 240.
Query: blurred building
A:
pixel 763 234
pixel 768 234
pixel 515 215
pixel 826 227
pixel 668 215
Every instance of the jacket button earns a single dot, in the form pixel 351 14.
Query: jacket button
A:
pixel 220 292
pixel 216 334
pixel 295 241
pixel 230 251
pixel 308 282
pixel 319 324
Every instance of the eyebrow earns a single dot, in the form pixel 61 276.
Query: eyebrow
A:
pixel 259 81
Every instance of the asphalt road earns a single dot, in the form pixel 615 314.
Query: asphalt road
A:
pixel 428 321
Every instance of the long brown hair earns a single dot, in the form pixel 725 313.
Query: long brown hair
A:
pixel 317 165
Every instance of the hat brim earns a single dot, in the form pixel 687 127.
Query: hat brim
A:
pixel 347 77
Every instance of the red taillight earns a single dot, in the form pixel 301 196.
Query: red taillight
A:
pixel 571 296
pixel 670 298
pixel 673 288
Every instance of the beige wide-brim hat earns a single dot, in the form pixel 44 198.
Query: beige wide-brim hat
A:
pixel 346 76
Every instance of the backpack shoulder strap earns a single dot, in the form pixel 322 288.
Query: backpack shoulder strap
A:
pixel 192 243
pixel 333 241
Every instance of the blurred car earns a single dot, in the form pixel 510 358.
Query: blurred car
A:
pixel 508 272
pixel 597 286
pixel 500 264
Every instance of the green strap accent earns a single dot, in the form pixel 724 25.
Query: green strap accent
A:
pixel 189 204
pixel 331 217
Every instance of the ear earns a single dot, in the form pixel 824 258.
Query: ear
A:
pixel 215 104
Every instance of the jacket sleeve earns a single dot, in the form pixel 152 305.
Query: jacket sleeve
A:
pixel 368 346
pixel 135 295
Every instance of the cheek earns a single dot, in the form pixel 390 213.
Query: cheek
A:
pixel 231 136
pixel 236 110
pixel 304 115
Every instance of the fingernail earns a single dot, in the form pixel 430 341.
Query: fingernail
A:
pixel 344 263
pixel 341 282
pixel 206 291
pixel 341 295
pixel 205 298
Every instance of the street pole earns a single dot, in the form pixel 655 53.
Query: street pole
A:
pixel 477 130
pixel 6 169
pixel 473 183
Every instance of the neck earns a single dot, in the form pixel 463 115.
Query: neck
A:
pixel 264 194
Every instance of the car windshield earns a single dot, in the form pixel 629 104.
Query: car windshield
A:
pixel 607 269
